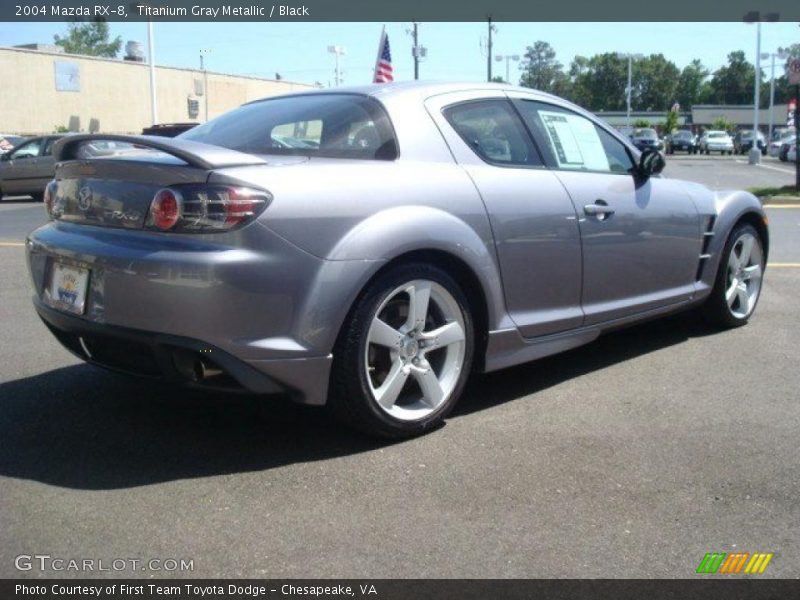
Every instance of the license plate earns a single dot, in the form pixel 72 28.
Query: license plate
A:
pixel 68 286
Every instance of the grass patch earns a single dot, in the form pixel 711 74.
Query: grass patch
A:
pixel 787 190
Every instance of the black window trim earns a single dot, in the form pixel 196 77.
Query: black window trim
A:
pixel 368 97
pixel 554 166
pixel 504 99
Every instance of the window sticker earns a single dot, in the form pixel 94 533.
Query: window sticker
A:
pixel 575 142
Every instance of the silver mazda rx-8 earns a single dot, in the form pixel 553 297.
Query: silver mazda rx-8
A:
pixel 367 248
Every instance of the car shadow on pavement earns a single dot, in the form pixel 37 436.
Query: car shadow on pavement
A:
pixel 84 428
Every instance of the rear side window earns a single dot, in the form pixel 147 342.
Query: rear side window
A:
pixel 494 132
pixel 331 125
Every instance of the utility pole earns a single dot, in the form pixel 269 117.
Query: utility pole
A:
pixel 489 51
pixel 416 51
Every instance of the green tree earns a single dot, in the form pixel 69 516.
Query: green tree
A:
pixel 671 122
pixel 722 123
pixel 690 84
pixel 641 123
pixel 600 82
pixel 541 70
pixel 498 79
pixel 734 82
pixel 655 83
pixel 91 39
pixel 783 91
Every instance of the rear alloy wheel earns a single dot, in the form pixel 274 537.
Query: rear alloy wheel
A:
pixel 738 283
pixel 403 359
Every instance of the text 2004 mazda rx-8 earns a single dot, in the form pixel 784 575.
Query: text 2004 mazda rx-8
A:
pixel 367 248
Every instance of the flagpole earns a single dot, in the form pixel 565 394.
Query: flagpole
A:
pixel 380 52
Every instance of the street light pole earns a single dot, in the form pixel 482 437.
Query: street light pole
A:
pixel 756 17
pixel 771 98
pixel 508 58
pixel 629 88
pixel 152 60
pixel 630 85
pixel 337 51
pixel 755 154
pixel 781 54
pixel 205 79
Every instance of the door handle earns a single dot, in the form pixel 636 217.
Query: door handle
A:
pixel 599 209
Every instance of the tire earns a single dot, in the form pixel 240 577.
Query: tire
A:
pixel 727 307
pixel 38 196
pixel 363 368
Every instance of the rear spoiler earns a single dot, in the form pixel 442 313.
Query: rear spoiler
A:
pixel 195 154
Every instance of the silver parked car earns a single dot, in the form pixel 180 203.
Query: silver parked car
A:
pixel 367 248
pixel 28 168
pixel 715 141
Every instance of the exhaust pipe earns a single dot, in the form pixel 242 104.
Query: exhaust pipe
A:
pixel 193 367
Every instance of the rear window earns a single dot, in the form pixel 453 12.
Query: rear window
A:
pixel 646 134
pixel 331 125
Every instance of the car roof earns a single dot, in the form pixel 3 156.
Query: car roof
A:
pixel 419 90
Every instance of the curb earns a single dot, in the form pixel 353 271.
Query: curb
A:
pixel 779 199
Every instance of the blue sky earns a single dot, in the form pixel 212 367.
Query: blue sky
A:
pixel 299 50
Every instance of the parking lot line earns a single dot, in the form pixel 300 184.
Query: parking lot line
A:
pixel 782 206
pixel 792 265
pixel 11 244
pixel 744 162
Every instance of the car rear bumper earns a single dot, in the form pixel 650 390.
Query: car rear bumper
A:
pixel 248 303
pixel 191 362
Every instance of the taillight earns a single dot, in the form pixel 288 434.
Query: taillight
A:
pixel 165 210
pixel 50 194
pixel 205 208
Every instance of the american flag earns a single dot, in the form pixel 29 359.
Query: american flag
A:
pixel 383 66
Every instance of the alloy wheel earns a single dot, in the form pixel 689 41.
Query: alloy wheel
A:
pixel 744 274
pixel 415 349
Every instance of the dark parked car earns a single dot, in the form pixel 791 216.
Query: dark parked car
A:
pixel 168 129
pixel 682 140
pixel 743 142
pixel 27 169
pixel 646 138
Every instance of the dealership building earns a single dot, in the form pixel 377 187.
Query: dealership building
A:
pixel 701 116
pixel 46 90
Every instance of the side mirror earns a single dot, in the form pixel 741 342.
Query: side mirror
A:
pixel 651 162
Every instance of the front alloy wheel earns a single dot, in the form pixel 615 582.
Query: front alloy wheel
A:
pixel 743 277
pixel 738 282
pixel 404 355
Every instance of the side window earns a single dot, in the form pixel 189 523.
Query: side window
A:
pixel 28 150
pixel 571 141
pixel 47 150
pixel 494 132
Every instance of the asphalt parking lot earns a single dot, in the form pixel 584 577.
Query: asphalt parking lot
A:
pixel 630 457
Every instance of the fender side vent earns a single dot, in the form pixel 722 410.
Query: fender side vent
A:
pixel 708 235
